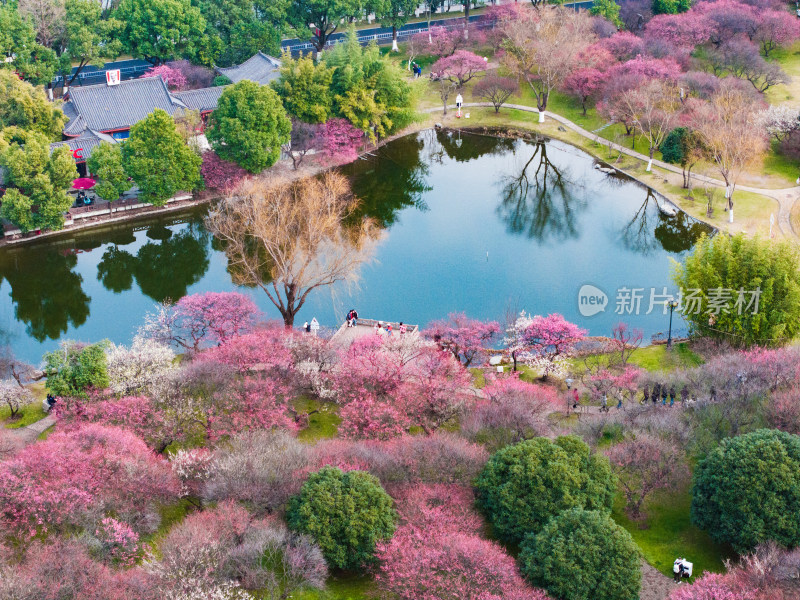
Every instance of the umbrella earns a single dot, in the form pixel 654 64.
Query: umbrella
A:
pixel 83 183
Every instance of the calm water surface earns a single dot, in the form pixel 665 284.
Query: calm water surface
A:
pixel 472 223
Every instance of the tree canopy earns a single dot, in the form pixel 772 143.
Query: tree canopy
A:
pixel 106 163
pixel 26 107
pixel 747 490
pixel 744 290
pixel 158 159
pixel 524 485
pixel 346 513
pixel 249 126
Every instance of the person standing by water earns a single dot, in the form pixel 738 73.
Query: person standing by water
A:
pixel 403 329
pixel 459 104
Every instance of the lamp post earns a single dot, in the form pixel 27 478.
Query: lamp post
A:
pixel 673 304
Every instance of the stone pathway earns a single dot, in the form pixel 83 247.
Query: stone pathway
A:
pixel 30 433
pixel 786 198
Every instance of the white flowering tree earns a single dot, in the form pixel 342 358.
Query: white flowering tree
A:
pixel 14 396
pixel 779 121
pixel 514 340
pixel 137 368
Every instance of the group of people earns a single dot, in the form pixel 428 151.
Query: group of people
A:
pixel 661 392
pixel 386 329
pixel 416 69
pixel 352 317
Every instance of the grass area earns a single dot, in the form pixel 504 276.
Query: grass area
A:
pixel 670 534
pixel 661 358
pixel 789 60
pixel 170 514
pixel 27 414
pixel 322 424
pixel 347 587
pixel 478 378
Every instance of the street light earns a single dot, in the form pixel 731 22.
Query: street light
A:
pixel 673 304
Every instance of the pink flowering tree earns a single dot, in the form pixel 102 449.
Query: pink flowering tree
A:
pixel 511 411
pixel 618 384
pixel 174 79
pixel 340 141
pixel 77 476
pixel 727 18
pixel 626 341
pixel 385 387
pixel 460 67
pixel 776 29
pixel 514 341
pixel 443 42
pixel 623 45
pixel 646 464
pixel 465 338
pixel 644 67
pixel 684 30
pixel 202 319
pixel 584 84
pixel 437 552
pixel 715 586
pixel 221 175
pixel 551 340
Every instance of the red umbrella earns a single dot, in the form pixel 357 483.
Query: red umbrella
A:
pixel 83 183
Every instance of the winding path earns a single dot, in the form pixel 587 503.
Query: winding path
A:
pixel 786 198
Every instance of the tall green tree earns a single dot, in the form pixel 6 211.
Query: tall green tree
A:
pixel 369 89
pixel 583 555
pixel 743 290
pixel 305 88
pixel 671 7
pixel 242 29
pixel 159 160
pixel 326 16
pixel 162 30
pixel 26 107
pixel 89 38
pixel 747 490
pixel 38 180
pixel 395 14
pixel 249 126
pixel 74 369
pixel 346 513
pixel 106 164
pixel 523 486
pixel 34 62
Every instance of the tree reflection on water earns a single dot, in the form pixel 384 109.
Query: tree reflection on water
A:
pixel 539 200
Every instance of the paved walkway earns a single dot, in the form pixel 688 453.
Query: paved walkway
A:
pixel 785 198
pixel 30 433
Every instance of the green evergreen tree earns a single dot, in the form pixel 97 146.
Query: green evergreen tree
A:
pixel 305 88
pixel 346 513
pixel 670 7
pixel 159 160
pixel 608 9
pixel 249 126
pixel 26 107
pixel 583 555
pixel 106 164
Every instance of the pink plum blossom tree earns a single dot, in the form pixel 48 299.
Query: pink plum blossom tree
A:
pixel 552 338
pixel 465 338
pixel 202 319
pixel 584 84
pixel 684 30
pixel 459 68
pixel 174 79
pixel 77 476
pixel 340 141
pixel 776 29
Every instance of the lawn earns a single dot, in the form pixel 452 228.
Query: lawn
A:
pixel 345 587
pixel 322 424
pixel 661 358
pixel 670 534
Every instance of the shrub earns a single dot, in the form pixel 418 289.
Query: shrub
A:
pixel 747 490
pixel 346 513
pixel 258 468
pixel 583 555
pixel 524 485
pixel 74 478
pixel 221 175
pixel 196 76
pixel 719 267
pixel 221 80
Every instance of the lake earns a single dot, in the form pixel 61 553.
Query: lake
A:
pixel 471 223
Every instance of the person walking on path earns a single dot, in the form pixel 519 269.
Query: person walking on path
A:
pixel 645 395
pixel 459 104
pixel 664 394
pixel 576 399
pixel 604 403
pixel 656 393
pixel 403 329
pixel 672 396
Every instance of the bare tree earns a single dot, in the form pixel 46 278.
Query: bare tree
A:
pixel 46 16
pixel 653 108
pixel 728 127
pixel 289 237
pixel 543 46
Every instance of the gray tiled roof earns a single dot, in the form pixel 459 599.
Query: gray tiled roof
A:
pixel 203 100
pixel 259 68
pixel 87 141
pixel 104 107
